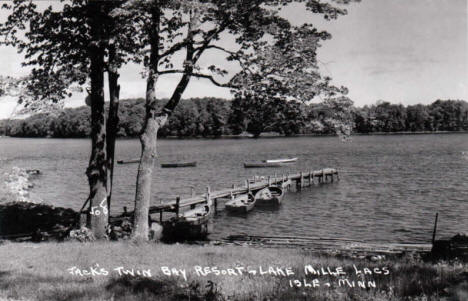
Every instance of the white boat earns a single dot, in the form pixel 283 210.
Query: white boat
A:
pixel 285 160
pixel 269 196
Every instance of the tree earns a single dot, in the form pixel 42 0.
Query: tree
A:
pixel 68 45
pixel 270 50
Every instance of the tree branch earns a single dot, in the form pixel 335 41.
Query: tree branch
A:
pixel 215 82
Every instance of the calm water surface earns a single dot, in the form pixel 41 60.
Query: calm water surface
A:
pixel 390 187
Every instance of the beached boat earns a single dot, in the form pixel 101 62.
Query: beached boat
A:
pixel 287 160
pixel 269 196
pixel 191 225
pixel 181 164
pixel 241 204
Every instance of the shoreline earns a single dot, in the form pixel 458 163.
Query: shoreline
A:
pixel 267 136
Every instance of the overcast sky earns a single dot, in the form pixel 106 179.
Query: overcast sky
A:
pixel 401 51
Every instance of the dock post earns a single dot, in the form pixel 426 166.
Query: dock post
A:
pixel 435 229
pixel 248 185
pixel 311 178
pixel 302 179
pixel 177 206
pixel 192 191
pixel 208 197
pixel 269 181
pixel 275 178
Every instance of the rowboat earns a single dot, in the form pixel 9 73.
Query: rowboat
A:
pixel 181 164
pixel 269 196
pixel 191 225
pixel 263 164
pixel 287 160
pixel 286 184
pixel 128 161
pixel 241 204
pixel 197 216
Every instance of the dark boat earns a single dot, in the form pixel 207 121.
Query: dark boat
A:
pixel 264 164
pixel 269 196
pixel 191 225
pixel 128 161
pixel 241 204
pixel 182 164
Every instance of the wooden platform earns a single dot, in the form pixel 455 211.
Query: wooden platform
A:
pixel 301 179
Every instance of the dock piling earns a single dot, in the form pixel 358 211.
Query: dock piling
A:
pixel 435 228
pixel 192 191
pixel 177 206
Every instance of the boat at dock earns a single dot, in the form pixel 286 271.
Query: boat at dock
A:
pixel 269 196
pixel 241 204
pixel 287 160
pixel 181 164
pixel 191 225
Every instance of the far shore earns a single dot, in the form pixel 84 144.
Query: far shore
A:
pixel 267 135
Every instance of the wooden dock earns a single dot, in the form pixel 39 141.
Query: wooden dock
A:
pixel 300 179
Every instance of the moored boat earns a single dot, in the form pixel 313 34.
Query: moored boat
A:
pixel 128 161
pixel 286 160
pixel 269 196
pixel 181 164
pixel 241 204
pixel 263 164
pixel 191 225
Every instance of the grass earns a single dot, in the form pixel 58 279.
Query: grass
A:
pixel 41 272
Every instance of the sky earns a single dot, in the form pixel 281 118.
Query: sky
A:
pixel 401 51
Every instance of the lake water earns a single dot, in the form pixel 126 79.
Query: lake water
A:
pixel 390 187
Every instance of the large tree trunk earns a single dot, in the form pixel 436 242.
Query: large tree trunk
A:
pixel 153 122
pixel 148 136
pixel 148 140
pixel 97 169
pixel 113 120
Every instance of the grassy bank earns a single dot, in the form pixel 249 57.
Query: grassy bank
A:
pixel 51 271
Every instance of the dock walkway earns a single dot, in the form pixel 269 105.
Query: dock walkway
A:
pixel 301 179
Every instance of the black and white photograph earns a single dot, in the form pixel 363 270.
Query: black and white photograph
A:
pixel 237 150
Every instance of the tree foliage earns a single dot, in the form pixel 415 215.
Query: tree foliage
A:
pixel 212 117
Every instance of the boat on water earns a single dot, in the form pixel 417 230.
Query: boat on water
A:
pixel 191 225
pixel 180 164
pixel 241 204
pixel 286 184
pixel 128 161
pixel 269 196
pixel 264 164
pixel 286 160
pixel 270 163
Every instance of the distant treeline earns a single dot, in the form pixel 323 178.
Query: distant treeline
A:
pixel 212 117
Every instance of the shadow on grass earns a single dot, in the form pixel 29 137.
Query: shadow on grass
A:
pixel 35 287
pixel 141 288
